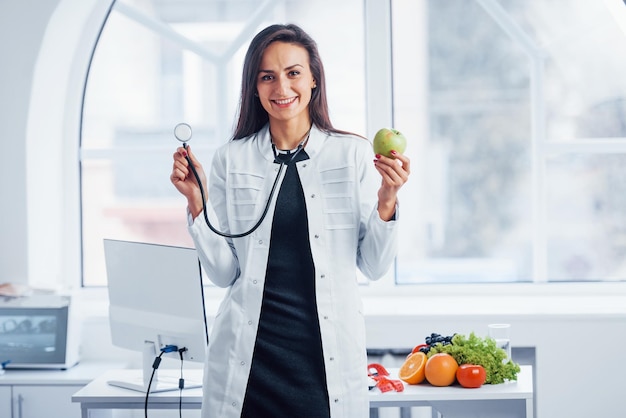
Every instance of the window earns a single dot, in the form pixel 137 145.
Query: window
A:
pixel 514 111
pixel 161 62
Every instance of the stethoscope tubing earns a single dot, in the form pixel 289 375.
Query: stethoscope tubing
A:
pixel 267 204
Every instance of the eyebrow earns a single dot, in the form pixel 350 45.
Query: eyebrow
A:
pixel 291 67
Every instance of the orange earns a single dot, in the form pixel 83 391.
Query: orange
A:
pixel 441 369
pixel 412 371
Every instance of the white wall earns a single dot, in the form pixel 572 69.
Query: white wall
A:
pixel 46 47
pixel 22 25
pixel 579 334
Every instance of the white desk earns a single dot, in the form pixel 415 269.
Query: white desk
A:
pixel 99 395
pixel 508 400
pixel 34 393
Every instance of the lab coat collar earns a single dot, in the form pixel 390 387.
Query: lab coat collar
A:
pixel 312 148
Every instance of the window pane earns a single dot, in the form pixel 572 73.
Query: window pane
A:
pixel 586 196
pixel 471 165
pixel 507 85
pixel 159 63
pixel 584 86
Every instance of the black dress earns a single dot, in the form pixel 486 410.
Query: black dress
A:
pixel 287 376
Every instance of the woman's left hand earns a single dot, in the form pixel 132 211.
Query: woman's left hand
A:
pixel 394 172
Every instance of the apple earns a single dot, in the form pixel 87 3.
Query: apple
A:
pixel 388 139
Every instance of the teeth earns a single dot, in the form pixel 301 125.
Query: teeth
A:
pixel 285 101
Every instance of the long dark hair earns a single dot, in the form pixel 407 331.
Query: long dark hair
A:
pixel 252 115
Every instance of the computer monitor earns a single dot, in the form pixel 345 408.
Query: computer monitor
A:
pixel 156 299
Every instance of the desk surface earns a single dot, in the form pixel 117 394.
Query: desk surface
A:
pixel 80 374
pixel 100 393
pixel 520 389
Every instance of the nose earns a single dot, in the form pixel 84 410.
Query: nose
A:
pixel 283 86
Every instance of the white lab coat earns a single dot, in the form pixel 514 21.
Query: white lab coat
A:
pixel 340 186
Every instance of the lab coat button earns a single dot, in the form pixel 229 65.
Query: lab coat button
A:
pixel 254 281
pixel 336 400
pixel 325 317
pixel 303 165
pixel 322 276
pixel 249 322
pixel 260 241
pixel 243 363
pixel 332 358
pixel 317 236
pixel 234 403
pixel 313 196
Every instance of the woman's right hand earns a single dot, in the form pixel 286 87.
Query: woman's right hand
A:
pixel 184 180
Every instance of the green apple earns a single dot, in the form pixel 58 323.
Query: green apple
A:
pixel 387 140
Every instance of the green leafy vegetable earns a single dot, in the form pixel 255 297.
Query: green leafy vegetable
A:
pixel 483 351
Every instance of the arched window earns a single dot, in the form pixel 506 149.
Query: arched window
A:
pixel 159 63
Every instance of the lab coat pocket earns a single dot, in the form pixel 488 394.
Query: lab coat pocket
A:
pixel 245 190
pixel 339 187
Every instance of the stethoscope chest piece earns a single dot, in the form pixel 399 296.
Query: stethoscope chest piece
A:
pixel 182 132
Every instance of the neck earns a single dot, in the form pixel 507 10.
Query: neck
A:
pixel 288 137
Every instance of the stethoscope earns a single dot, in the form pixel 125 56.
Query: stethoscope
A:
pixel 182 132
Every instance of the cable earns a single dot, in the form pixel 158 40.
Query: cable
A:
pixel 181 383
pixel 155 366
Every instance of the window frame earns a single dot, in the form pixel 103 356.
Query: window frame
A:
pixel 68 275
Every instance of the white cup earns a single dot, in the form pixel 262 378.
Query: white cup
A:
pixel 501 333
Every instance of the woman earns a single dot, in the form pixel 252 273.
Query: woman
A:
pixel 289 340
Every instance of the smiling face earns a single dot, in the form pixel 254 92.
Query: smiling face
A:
pixel 284 83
